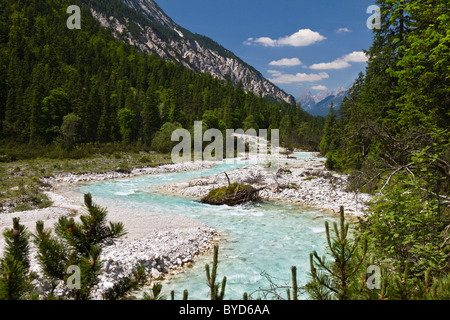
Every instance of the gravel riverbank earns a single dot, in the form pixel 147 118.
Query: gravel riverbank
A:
pixel 163 243
pixel 306 182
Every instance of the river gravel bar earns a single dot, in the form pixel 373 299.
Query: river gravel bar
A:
pixel 166 243
pixel 162 243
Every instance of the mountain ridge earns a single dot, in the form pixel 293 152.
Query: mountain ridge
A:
pixel 144 24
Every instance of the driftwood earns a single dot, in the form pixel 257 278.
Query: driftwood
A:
pixel 234 194
pixel 282 171
pixel 228 178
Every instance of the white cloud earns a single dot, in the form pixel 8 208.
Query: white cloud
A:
pixel 249 41
pixel 285 78
pixel 355 56
pixel 319 87
pixel 302 38
pixel 342 30
pixel 341 63
pixel 265 41
pixel 336 65
pixel 286 62
pixel 274 73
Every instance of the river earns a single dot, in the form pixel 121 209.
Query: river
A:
pixel 254 240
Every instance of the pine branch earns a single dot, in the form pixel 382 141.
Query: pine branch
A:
pixel 327 230
pixel 294 283
pixel 317 278
pixel 323 265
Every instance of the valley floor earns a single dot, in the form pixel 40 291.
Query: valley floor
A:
pixel 165 243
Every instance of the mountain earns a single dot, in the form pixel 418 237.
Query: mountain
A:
pixel 307 101
pixel 68 92
pixel 143 24
pixel 322 95
pixel 319 104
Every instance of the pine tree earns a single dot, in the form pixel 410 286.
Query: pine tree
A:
pixel 15 278
pixel 354 137
pixel 155 293
pixel 424 65
pixel 78 244
pixel 211 277
pixel 334 280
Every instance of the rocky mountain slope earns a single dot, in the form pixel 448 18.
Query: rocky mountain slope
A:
pixel 143 24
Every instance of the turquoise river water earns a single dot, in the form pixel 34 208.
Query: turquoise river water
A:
pixel 255 240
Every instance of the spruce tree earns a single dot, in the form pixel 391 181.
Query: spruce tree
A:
pixel 151 121
pixel 329 143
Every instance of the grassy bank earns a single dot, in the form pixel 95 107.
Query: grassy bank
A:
pixel 22 187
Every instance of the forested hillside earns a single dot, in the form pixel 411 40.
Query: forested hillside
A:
pixel 144 24
pixel 396 117
pixel 392 135
pixel 62 87
pixel 401 105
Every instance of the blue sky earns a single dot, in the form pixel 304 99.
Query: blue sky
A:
pixel 297 44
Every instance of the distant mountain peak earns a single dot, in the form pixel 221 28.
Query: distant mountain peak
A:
pixel 322 95
pixel 306 100
pixel 319 104
pixel 307 93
